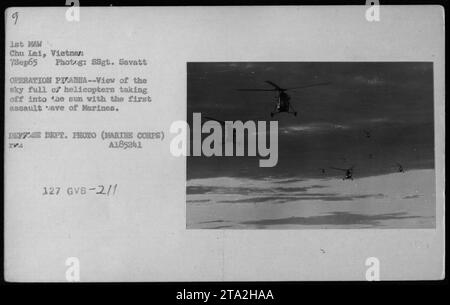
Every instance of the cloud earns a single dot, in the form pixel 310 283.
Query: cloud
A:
pixel 250 203
pixel 336 218
pixel 411 197
pixel 220 227
pixel 287 181
pixel 312 128
pixel 197 201
pixel 198 189
pixel 368 80
pixel 285 199
pixel 213 221
pixel 229 190
pixel 377 120
pixel 273 199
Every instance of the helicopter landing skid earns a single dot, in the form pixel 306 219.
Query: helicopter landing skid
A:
pixel 272 114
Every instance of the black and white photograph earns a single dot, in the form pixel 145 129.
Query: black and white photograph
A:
pixel 355 146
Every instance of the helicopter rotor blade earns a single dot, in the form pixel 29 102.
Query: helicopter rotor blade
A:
pixel 275 85
pixel 307 86
pixel 257 90
pixel 339 169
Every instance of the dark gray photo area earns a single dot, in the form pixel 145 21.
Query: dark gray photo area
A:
pixel 355 149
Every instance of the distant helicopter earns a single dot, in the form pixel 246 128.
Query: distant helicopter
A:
pixel 400 168
pixel 348 172
pixel 282 98
pixel 367 133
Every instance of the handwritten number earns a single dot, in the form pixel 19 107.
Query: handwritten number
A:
pixel 15 16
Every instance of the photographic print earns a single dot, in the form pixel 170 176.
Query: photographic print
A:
pixel 236 143
pixel 352 147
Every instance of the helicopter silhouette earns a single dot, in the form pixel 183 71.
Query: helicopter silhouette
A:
pixel 322 170
pixel 400 168
pixel 282 98
pixel 348 172
pixel 367 133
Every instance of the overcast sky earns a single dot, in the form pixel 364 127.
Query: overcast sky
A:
pixel 393 101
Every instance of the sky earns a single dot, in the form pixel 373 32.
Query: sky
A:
pixel 391 100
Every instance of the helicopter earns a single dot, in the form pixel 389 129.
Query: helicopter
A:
pixel 400 168
pixel 281 97
pixel 348 172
